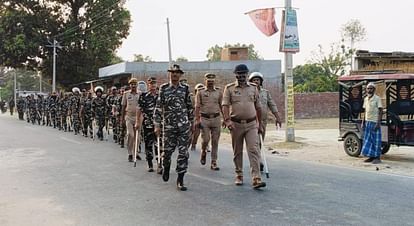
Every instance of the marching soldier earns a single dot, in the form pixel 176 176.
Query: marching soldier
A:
pixel 241 111
pixel 175 110
pixel 99 110
pixel 39 106
pixel 267 104
pixel 110 104
pixel 129 112
pixel 121 125
pixel 86 115
pixel 46 112
pixel 32 108
pixel 53 108
pixel 20 107
pixel 146 107
pixel 196 133
pixel 75 108
pixel 207 112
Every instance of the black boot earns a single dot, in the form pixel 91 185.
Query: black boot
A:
pixel 166 173
pixel 180 182
pixel 150 166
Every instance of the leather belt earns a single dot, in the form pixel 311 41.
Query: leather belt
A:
pixel 243 120
pixel 210 115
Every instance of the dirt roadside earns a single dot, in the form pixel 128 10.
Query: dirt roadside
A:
pixel 316 140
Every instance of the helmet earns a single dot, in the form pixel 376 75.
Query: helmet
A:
pixel 199 86
pixel 255 75
pixel 75 89
pixel 241 68
pixel 142 86
pixel 99 88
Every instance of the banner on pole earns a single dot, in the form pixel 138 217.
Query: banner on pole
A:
pixel 289 37
pixel 264 19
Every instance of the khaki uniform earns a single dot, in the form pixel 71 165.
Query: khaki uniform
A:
pixel 243 102
pixel 130 100
pixel 267 104
pixel 209 102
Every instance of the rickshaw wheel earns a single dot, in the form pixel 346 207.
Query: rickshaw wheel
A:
pixel 352 145
pixel 385 147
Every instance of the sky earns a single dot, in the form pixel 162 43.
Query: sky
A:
pixel 197 25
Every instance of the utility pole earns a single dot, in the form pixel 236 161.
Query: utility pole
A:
pixel 15 89
pixel 54 46
pixel 169 42
pixel 40 82
pixel 289 94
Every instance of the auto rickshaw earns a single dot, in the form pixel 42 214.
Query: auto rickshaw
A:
pixel 396 91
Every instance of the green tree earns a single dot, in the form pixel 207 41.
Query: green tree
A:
pixel 90 31
pixel 214 52
pixel 142 58
pixel 181 59
pixel 311 78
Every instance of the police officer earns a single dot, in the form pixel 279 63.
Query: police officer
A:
pixel 99 110
pixel 110 104
pixel 267 104
pixel 86 115
pixel 75 109
pixel 120 122
pixel 129 113
pixel 207 113
pixel 197 130
pixel 20 107
pixel 146 107
pixel 241 111
pixel 175 110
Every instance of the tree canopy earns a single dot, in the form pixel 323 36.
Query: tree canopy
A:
pixel 88 30
pixel 214 52
pixel 310 78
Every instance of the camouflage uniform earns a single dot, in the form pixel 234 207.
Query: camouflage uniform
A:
pixel 98 112
pixel 39 108
pixel 110 104
pixel 174 107
pixel 86 114
pixel 64 111
pixel 75 108
pixel 121 126
pixel 46 115
pixel 146 104
pixel 20 107
pixel 53 101
pixel 32 109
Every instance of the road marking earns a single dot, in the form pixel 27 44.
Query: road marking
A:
pixel 209 179
pixel 70 140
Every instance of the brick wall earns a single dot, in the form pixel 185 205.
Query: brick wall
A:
pixel 309 105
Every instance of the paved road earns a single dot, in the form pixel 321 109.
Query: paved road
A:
pixel 49 177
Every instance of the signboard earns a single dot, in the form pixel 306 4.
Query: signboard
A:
pixel 289 37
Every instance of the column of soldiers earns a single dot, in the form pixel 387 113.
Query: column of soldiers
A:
pixel 168 119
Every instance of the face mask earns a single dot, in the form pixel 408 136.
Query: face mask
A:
pixel 241 78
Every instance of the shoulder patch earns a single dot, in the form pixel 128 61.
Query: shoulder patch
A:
pixel 230 85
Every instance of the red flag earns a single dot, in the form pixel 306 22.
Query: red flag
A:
pixel 264 19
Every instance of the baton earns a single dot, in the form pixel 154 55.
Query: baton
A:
pixel 263 156
pixel 135 148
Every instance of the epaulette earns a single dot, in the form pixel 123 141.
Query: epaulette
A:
pixel 231 84
pixel 252 83
pixel 165 85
